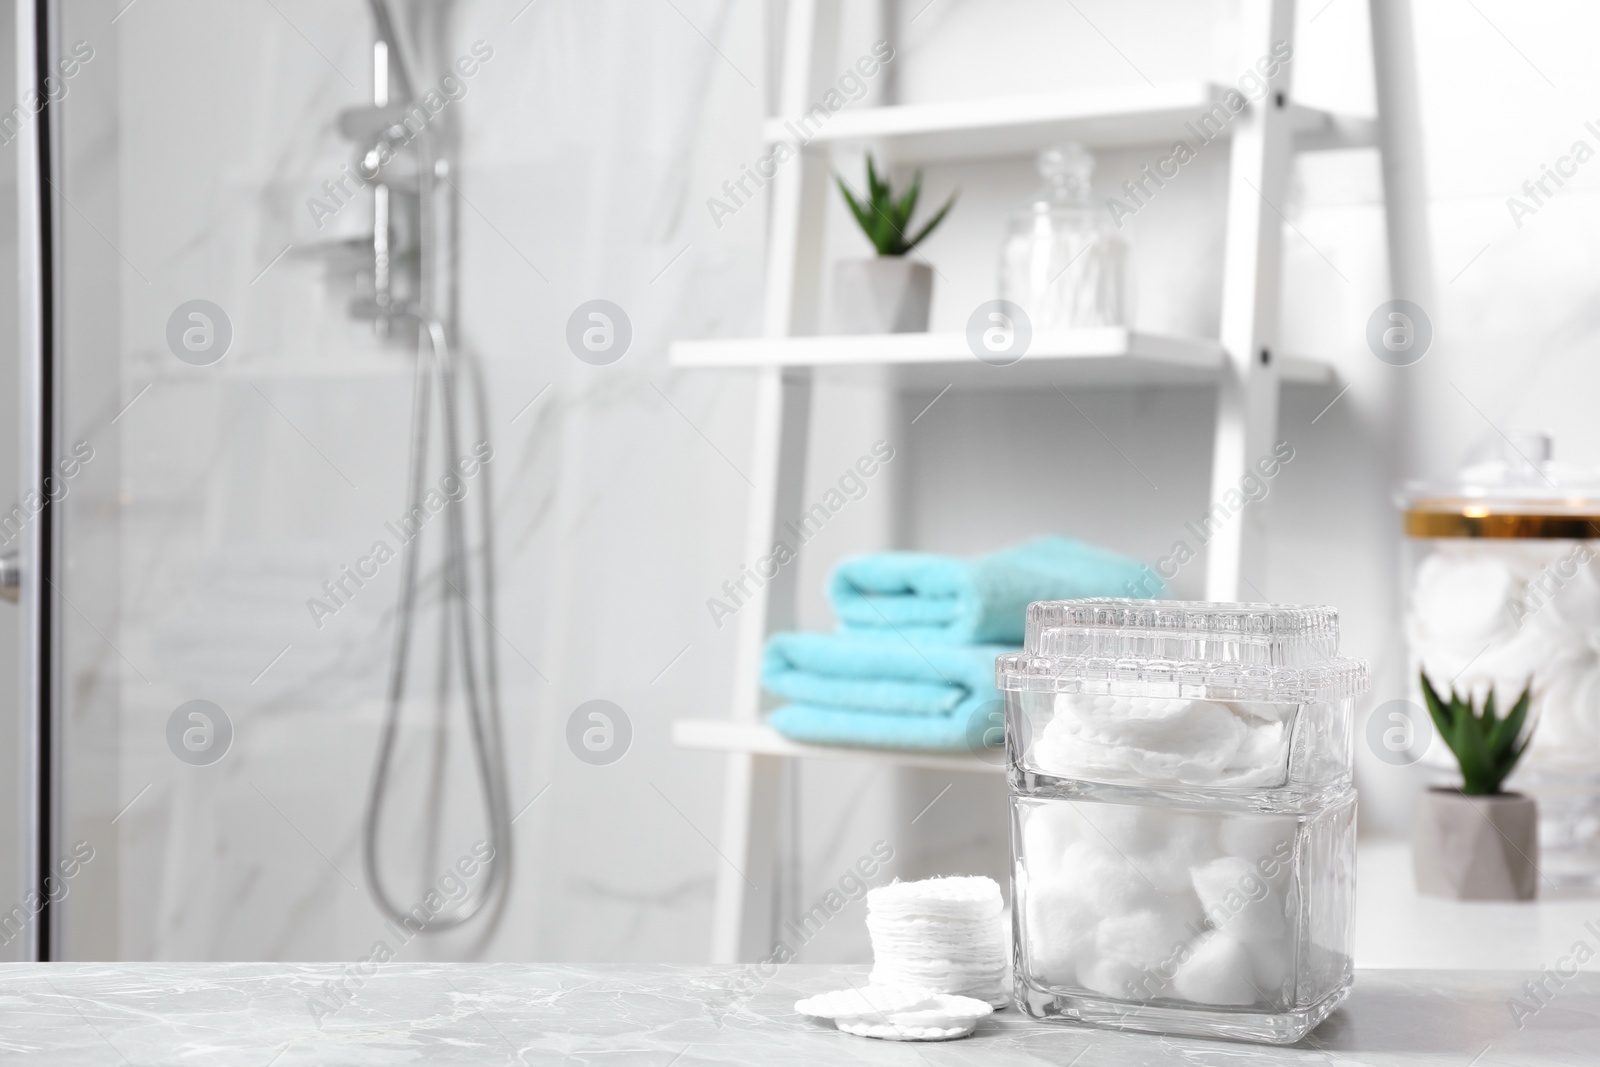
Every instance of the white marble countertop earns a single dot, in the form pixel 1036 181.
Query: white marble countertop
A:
pixel 285 1014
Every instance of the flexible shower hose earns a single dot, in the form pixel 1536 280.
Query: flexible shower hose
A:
pixel 482 707
pixel 482 704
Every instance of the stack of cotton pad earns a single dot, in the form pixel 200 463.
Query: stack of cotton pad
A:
pixel 943 934
pixel 1193 742
pixel 897 1012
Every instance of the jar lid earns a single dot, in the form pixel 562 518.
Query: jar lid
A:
pixel 1266 652
pixel 1520 492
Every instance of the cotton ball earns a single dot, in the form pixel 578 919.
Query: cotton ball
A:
pixel 1047 830
pixel 1239 901
pixel 1260 839
pixel 1118 979
pixel 1270 963
pixel 1536 651
pixel 1218 971
pixel 1105 878
pixel 1184 908
pixel 1058 926
pixel 1125 828
pixel 1183 842
pixel 1462 600
pixel 1577 600
pixel 1569 717
pixel 1150 940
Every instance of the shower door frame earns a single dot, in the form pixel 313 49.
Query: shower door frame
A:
pixel 37 449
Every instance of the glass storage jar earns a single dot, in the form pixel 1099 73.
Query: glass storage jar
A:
pixel 1502 587
pixel 1062 260
pixel 1183 815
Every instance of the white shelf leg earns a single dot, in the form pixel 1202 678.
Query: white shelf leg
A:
pixel 1417 434
pixel 743 923
pixel 742 920
pixel 1247 397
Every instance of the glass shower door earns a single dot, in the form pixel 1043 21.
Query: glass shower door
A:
pixel 19 921
pixel 245 323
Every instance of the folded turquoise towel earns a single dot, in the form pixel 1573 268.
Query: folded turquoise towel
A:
pixel 878 690
pixel 925 597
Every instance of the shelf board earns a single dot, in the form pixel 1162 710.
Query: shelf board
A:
pixel 728 735
pixel 1019 126
pixel 1306 370
pixel 1101 356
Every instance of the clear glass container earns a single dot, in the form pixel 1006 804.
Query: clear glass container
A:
pixel 1183 816
pixel 1501 587
pixel 1062 261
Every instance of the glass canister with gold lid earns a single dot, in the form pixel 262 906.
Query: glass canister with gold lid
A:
pixel 1502 588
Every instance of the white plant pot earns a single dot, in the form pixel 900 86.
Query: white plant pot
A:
pixel 1475 848
pixel 889 294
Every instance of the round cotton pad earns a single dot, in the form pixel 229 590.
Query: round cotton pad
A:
pixel 946 1011
pixel 868 1001
pixel 891 1032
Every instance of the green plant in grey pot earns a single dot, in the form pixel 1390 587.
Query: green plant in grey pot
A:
pixel 891 293
pixel 1477 842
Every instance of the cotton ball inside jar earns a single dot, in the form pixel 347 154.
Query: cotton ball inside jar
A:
pixel 1239 902
pixel 1151 939
pixel 1126 828
pixel 1047 831
pixel 1270 965
pixel 1108 880
pixel 1576 596
pixel 1461 600
pixel 1219 971
pixel 1540 643
pixel 1182 842
pixel 1261 839
pixel 1058 925
pixel 1569 719
pixel 1118 979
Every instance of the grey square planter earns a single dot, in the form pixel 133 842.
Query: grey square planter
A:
pixel 889 294
pixel 1475 848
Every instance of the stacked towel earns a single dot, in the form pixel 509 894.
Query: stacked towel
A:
pixel 878 690
pixel 977 601
pixel 912 665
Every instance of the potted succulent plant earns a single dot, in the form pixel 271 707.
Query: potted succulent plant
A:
pixel 1477 842
pixel 891 293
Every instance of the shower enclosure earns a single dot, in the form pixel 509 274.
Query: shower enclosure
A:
pixel 258 711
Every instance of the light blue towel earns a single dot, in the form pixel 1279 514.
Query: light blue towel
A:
pixel 929 598
pixel 878 690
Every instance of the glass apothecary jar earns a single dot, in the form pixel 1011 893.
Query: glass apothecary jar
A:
pixel 1183 816
pixel 1501 587
pixel 1062 261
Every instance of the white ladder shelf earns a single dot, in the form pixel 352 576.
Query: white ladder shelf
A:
pixel 1242 362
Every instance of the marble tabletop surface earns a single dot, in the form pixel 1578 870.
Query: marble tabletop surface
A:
pixel 284 1014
